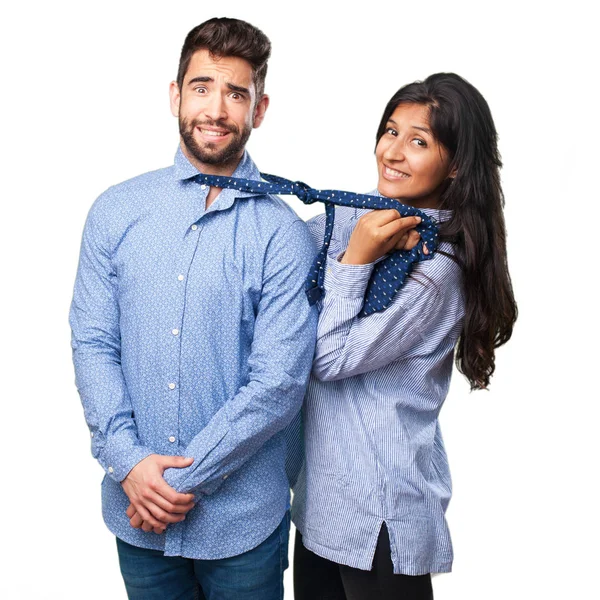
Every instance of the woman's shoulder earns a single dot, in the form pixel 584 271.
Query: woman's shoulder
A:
pixel 443 271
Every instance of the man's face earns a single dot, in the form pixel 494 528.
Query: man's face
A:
pixel 217 109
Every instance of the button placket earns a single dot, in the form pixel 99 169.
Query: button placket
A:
pixel 180 275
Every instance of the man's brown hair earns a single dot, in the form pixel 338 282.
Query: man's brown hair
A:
pixel 228 37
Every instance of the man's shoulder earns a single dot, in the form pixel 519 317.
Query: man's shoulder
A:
pixel 132 195
pixel 140 183
pixel 275 222
pixel 279 208
pixel 269 214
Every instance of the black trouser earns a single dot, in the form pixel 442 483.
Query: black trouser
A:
pixel 317 578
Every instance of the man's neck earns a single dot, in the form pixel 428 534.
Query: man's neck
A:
pixel 225 169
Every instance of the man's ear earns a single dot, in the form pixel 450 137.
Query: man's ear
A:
pixel 175 98
pixel 260 110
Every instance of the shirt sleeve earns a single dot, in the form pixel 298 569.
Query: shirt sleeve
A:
pixel 348 345
pixel 96 344
pixel 279 366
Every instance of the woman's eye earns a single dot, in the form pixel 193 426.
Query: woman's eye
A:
pixel 419 142
pixel 391 131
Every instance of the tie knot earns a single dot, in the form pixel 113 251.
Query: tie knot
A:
pixel 304 192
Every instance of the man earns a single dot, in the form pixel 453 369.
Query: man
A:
pixel 192 343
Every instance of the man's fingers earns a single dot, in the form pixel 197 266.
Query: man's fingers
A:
pixel 168 493
pixel 147 526
pixel 179 462
pixel 149 519
pixel 159 514
pixel 170 507
pixel 135 520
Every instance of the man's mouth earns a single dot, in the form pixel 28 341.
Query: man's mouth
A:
pixel 213 132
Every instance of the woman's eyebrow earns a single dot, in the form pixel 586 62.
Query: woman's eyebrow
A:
pixel 413 126
pixel 422 129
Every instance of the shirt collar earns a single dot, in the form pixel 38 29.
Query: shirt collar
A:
pixel 246 169
pixel 438 214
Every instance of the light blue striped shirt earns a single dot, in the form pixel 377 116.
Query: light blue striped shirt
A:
pixel 374 450
pixel 192 335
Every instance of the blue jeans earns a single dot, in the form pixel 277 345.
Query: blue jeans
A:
pixel 253 575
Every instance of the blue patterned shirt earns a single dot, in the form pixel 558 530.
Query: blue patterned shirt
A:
pixel 374 450
pixel 192 336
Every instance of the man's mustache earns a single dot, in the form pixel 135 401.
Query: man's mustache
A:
pixel 229 127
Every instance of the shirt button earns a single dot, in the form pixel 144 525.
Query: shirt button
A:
pixel 194 227
pixel 202 187
pixel 225 476
pixel 172 439
pixel 180 277
pixel 111 470
pixel 175 332
pixel 171 386
pixel 92 433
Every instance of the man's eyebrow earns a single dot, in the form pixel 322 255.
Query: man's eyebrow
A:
pixel 200 79
pixel 238 88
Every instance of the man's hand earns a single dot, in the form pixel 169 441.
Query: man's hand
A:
pixel 138 523
pixel 379 232
pixel 152 498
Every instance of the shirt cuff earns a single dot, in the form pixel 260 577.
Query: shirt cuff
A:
pixel 119 456
pixel 346 280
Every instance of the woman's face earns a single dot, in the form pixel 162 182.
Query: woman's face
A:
pixel 412 165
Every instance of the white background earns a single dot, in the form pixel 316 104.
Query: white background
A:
pixel 85 105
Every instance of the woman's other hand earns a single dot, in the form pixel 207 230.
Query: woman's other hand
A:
pixel 379 232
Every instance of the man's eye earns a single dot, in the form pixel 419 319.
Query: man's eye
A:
pixel 391 131
pixel 200 90
pixel 236 96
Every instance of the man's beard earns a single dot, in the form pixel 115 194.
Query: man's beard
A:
pixel 209 154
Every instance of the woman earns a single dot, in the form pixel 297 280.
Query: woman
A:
pixel 370 500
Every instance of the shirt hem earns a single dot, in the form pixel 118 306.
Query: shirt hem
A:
pixel 365 563
pixel 250 545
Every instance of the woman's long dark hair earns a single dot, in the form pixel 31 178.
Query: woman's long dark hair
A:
pixel 461 121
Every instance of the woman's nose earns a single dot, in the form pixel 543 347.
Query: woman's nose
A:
pixel 394 152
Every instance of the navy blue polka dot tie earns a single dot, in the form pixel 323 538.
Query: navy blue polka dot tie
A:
pixel 388 274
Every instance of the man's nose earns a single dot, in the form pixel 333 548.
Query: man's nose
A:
pixel 215 108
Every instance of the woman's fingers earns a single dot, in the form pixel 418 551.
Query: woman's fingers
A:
pixel 398 226
pixel 407 240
